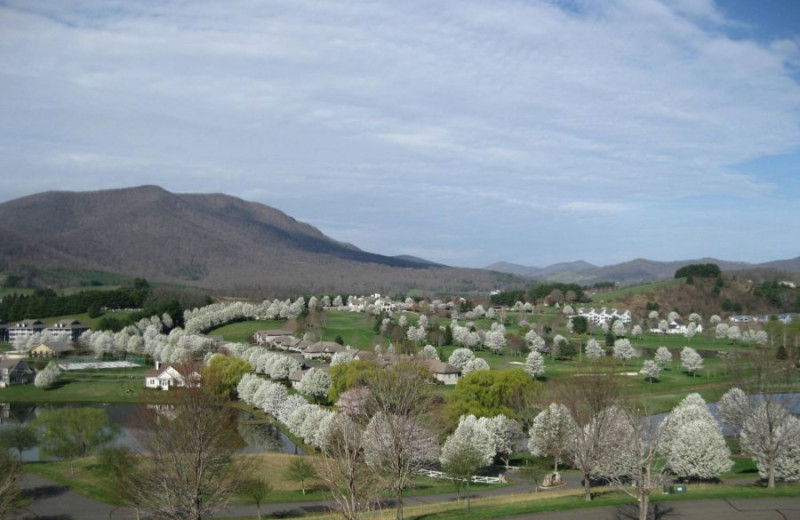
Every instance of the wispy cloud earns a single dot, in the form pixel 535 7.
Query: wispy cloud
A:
pixel 477 114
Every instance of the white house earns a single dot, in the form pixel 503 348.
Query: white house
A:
pixel 444 372
pixel 166 376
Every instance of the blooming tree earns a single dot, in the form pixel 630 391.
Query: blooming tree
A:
pixel 430 352
pixel 469 432
pixel 460 357
pixel 691 360
pixel 550 432
pixel 593 350
pixel 768 433
pixel 535 342
pixel 651 370
pixel 692 441
pixel 315 383
pixel 663 356
pixel 624 350
pixel 506 434
pixel 474 365
pixel 534 364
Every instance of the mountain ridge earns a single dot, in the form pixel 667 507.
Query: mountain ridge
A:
pixel 209 240
pixel 633 271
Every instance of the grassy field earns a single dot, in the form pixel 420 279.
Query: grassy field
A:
pixel 241 332
pixel 711 382
pixel 86 386
pixel 89 480
pixel 611 296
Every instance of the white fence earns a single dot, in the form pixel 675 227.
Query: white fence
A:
pixel 475 479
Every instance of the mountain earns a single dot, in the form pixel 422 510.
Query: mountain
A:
pixel 212 241
pixel 634 271
pixel 515 269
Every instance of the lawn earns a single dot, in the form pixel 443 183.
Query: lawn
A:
pixel 242 331
pixel 675 383
pixel 100 386
pixel 89 479
pixel 607 298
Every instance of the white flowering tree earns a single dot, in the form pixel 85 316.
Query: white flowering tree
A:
pixel 282 367
pixel 663 325
pixel 430 352
pixel 734 333
pixel 473 365
pixel 663 356
pixel 535 342
pixel 690 331
pixel 692 441
pixel 416 335
pixel 757 337
pixel 691 360
pixel 48 376
pixel 469 431
pixel 594 351
pixel 507 433
pixel 460 357
pixel 534 364
pixel 733 408
pixel 721 331
pixel 618 328
pixel 315 384
pixel 768 433
pixel 771 435
pixel 550 433
pixel 469 448
pixel 623 350
pixel 342 357
pixel 495 339
pixel 651 370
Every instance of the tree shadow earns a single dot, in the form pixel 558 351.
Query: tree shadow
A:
pixel 42 492
pixel 631 512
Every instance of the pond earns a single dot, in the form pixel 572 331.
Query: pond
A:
pixel 256 436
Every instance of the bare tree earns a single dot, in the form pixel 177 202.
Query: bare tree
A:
pixel 353 484
pixel 397 440
pixel 640 467
pixel 588 398
pixel 189 446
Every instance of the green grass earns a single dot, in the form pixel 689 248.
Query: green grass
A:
pixel 107 386
pixel 713 380
pixel 89 480
pixel 502 507
pixel 354 328
pixel 242 331
pixel 609 297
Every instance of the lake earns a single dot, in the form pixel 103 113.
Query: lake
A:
pixel 256 437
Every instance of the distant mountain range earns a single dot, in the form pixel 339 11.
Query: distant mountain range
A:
pixel 212 241
pixel 635 271
pixel 241 248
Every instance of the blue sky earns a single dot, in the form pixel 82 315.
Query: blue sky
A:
pixel 465 131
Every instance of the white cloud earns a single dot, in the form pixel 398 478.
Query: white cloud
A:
pixel 462 109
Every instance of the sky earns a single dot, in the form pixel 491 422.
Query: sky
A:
pixel 465 132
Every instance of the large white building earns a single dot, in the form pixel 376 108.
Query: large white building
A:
pixel 604 315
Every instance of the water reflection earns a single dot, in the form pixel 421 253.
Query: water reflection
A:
pixel 257 437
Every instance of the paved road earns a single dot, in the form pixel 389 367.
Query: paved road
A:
pixel 52 501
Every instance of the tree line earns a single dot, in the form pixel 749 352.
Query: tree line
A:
pixel 46 302
pixel 558 292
